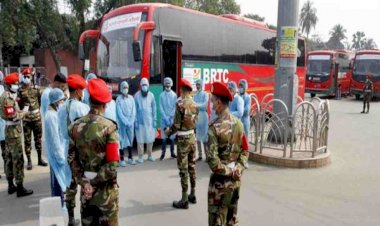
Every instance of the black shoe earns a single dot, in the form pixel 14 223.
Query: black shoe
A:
pixel 199 159
pixel 162 157
pixel 192 199
pixel 29 165
pixel 41 162
pixel 12 189
pixel 367 112
pixel 181 204
pixel 21 191
pixel 173 156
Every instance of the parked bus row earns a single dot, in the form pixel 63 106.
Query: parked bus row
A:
pixel 331 71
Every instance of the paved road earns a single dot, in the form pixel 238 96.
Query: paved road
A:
pixel 344 193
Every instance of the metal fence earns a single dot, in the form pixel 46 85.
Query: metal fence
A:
pixel 40 80
pixel 303 134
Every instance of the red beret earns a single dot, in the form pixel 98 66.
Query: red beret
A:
pixel 186 83
pixel 27 71
pixel 98 90
pixel 220 89
pixel 75 81
pixel 11 78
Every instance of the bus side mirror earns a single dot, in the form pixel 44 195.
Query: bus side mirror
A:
pixel 81 52
pixel 136 48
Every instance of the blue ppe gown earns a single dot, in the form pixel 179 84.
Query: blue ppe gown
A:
pixel 110 111
pixel 236 106
pixel 125 118
pixel 76 110
pixel 168 102
pixel 247 108
pixel 201 99
pixel 55 149
pixel 146 118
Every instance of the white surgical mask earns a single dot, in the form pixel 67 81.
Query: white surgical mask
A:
pixel 14 88
pixel 27 81
pixel 241 90
pixel 125 92
pixel 144 88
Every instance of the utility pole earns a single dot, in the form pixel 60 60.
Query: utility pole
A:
pixel 286 81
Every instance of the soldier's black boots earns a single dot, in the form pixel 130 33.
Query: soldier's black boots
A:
pixel 192 199
pixel 71 218
pixel 11 186
pixel 21 191
pixel 41 162
pixel 29 165
pixel 174 156
pixel 181 204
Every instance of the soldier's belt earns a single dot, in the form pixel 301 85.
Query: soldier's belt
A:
pixel 90 175
pixel 12 123
pixel 35 111
pixel 185 133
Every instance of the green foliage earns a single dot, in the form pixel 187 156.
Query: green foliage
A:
pixel 255 17
pixel 308 17
pixel 337 35
pixel 358 40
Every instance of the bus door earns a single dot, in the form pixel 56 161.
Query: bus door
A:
pixel 172 58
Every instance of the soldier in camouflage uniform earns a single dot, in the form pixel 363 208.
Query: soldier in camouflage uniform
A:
pixel 368 94
pixel 227 157
pixel 184 125
pixel 94 157
pixel 30 97
pixel 10 112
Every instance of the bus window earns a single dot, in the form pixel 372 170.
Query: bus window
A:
pixel 155 62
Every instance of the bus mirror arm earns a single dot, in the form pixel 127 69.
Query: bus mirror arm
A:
pixel 136 45
pixel 86 34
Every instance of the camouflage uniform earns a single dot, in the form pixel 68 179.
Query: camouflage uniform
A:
pixel 14 165
pixel 89 136
pixel 184 122
pixel 225 148
pixel 368 94
pixel 31 96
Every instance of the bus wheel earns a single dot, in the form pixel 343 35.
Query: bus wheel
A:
pixel 357 96
pixel 312 95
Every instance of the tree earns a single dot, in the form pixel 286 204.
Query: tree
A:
pixel 316 43
pixel 308 18
pixel 337 35
pixel 255 17
pixel 358 40
pixel 80 8
pixel 370 44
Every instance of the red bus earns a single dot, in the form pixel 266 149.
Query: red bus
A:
pixel 327 70
pixel 366 62
pixel 156 40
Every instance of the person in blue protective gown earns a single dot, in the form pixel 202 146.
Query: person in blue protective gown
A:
pixel 2 123
pixel 201 99
pixel 60 173
pixel 70 111
pixel 125 118
pixel 146 120
pixel 110 111
pixel 168 100
pixel 60 81
pixel 236 106
pixel 86 95
pixel 243 87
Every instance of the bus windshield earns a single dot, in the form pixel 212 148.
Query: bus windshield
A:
pixel 367 66
pixel 318 67
pixel 114 52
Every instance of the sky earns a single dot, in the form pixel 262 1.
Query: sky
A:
pixel 354 15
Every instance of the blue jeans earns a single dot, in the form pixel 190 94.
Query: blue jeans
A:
pixel 55 187
pixel 163 146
